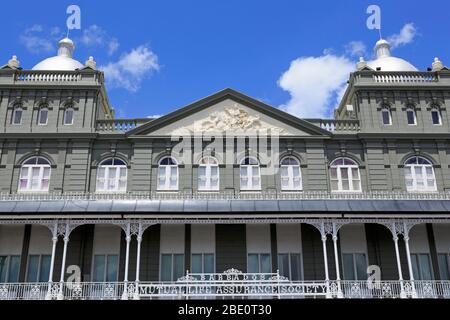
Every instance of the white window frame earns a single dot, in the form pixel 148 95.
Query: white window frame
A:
pixel 39 269
pixel 249 175
pixel 105 268
pixel 168 175
pixel 355 269
pixel 172 265
pixel 15 110
pixel 290 175
pixel 66 110
pixel 202 254
pixel 29 178
pixel 289 255
pixel 388 111
pixel 106 181
pixel 436 110
pixel 411 109
pixel 423 175
pixel 349 168
pixel 207 177
pixel 416 256
pixel 40 123
pixel 8 266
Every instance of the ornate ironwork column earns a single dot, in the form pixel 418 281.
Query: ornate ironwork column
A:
pixel 127 259
pixel 52 260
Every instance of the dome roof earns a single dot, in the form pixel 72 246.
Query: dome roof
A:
pixel 63 61
pixel 386 62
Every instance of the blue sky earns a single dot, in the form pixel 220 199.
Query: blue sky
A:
pixel 162 55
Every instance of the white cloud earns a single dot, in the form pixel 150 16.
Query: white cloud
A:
pixel 95 36
pixel 113 45
pixel 356 49
pixel 35 40
pixel 314 83
pixel 131 69
pixel 405 36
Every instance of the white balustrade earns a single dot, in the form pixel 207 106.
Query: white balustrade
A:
pixel 231 284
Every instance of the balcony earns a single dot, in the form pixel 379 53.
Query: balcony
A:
pixel 231 284
pixel 225 195
pixel 396 78
pixel 119 125
pixel 336 126
pixel 34 77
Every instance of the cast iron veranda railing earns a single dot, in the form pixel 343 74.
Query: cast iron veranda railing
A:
pixel 231 284
pixel 224 195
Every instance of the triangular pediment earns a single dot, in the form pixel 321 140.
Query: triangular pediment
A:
pixel 231 112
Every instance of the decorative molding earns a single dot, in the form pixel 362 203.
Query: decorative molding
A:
pixel 229 119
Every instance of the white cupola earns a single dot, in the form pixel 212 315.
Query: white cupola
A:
pixel 386 62
pixel 63 61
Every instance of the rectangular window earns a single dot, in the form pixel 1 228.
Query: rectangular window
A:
pixel 172 267
pixel 411 117
pixel 208 177
pixel 167 178
pixel 38 268
pixel 386 114
pixel 421 265
pixel 17 116
pixel 202 263
pixel 68 116
pixel 250 177
pixel 289 265
pixel 444 270
pixel 436 117
pixel 9 269
pixel 355 266
pixel 259 263
pixel 43 117
pixel 105 268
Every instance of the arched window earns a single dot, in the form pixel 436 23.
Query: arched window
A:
pixel 436 118
pixel 419 175
pixel 68 116
pixel 208 174
pixel 411 116
pixel 250 174
pixel 386 115
pixel 344 174
pixel 112 176
pixel 168 174
pixel 17 115
pixel 43 116
pixel 35 175
pixel 291 176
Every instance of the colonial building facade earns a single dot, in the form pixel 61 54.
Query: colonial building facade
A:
pixel 226 197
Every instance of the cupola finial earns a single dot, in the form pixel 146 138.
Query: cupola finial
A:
pixel 361 64
pixel 382 49
pixel 91 63
pixel 66 48
pixel 14 63
pixel 437 65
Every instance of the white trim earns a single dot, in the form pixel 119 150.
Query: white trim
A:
pixel 168 177
pixel 208 177
pixel 249 176
pixel 29 175
pixel 422 176
pixel 349 169
pixel 290 175
pixel 40 117
pixel 388 110
pixel 411 109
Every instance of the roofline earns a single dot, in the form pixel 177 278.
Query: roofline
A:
pixel 222 95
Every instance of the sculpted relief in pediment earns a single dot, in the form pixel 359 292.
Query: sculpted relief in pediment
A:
pixel 228 119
